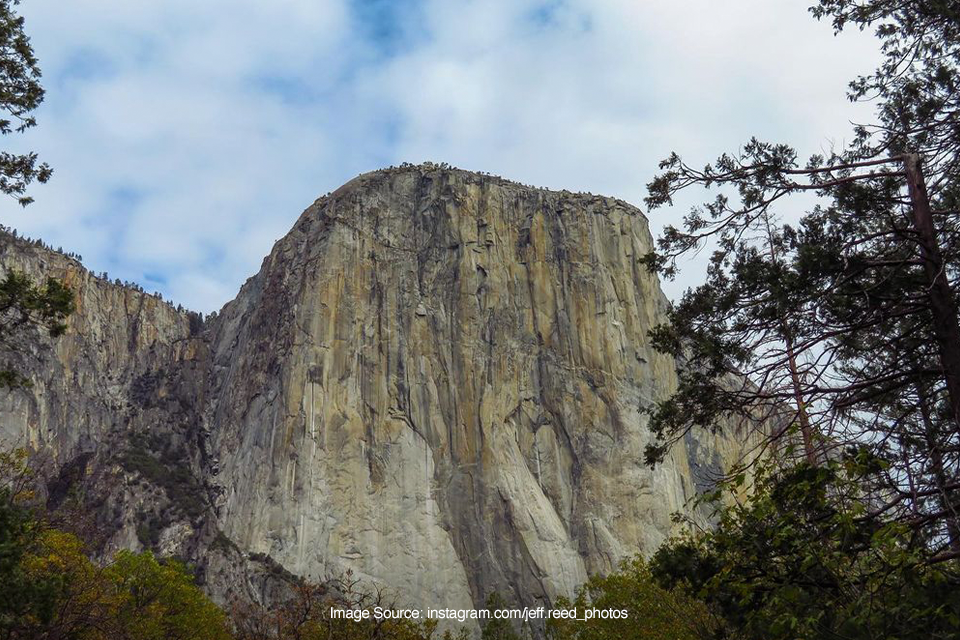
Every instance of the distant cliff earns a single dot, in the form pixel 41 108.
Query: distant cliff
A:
pixel 434 381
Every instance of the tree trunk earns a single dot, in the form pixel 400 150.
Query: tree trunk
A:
pixel 942 304
pixel 806 429
pixel 946 497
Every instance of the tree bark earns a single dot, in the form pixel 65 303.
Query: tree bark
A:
pixel 806 430
pixel 942 304
pixel 946 497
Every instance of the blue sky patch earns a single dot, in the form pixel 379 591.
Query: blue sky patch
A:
pixel 84 64
pixel 390 26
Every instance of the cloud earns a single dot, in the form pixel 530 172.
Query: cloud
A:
pixel 186 137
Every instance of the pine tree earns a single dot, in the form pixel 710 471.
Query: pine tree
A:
pixel 844 326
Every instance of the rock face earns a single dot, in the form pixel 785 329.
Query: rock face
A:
pixel 434 382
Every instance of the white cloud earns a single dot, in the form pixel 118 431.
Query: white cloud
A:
pixel 187 136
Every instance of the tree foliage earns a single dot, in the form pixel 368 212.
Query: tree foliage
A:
pixel 25 304
pixel 135 596
pixel 841 326
pixel 51 589
pixel 20 95
pixel 654 613
pixel 23 595
pixel 804 557
pixel 498 628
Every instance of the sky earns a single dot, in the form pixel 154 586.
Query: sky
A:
pixel 187 136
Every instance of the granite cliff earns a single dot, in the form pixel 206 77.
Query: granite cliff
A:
pixel 434 382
